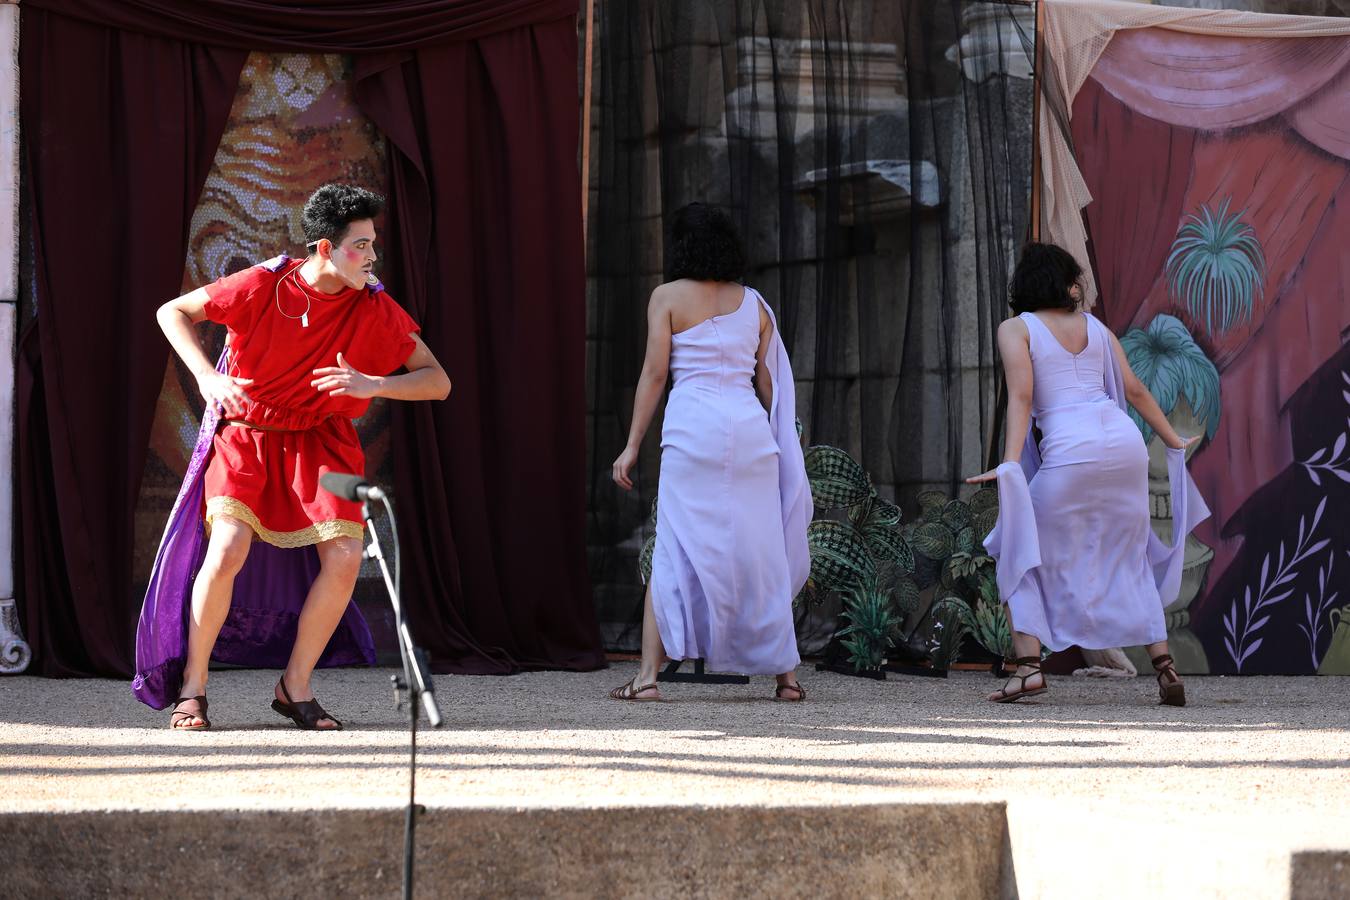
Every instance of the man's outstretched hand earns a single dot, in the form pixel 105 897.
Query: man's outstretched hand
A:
pixel 344 381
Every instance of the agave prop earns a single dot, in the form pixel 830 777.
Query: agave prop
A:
pixel 1171 365
pixel 1217 267
pixel 872 626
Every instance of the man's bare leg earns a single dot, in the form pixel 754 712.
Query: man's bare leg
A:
pixel 339 565
pixel 211 592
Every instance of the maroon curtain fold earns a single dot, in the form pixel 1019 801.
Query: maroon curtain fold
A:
pixel 491 483
pixel 123 104
pixel 313 26
pixel 115 151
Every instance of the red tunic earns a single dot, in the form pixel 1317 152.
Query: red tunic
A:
pixel 268 475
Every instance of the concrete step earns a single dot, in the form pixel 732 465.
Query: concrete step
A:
pixel 955 850
pixel 1319 875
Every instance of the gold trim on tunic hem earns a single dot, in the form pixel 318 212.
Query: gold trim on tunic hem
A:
pixel 314 534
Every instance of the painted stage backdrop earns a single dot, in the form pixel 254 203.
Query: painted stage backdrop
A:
pixel 293 127
pixel 1220 236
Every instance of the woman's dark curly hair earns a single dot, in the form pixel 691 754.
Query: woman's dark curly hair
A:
pixel 333 207
pixel 1044 275
pixel 704 245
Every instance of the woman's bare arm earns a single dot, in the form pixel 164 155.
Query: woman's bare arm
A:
pixel 651 384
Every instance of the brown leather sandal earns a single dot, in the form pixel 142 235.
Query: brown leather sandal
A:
pixel 778 693
pixel 187 708
pixel 306 714
pixel 1034 664
pixel 1171 692
pixel 631 691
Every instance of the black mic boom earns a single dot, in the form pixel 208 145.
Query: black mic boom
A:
pixel 350 487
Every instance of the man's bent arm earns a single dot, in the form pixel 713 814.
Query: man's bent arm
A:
pixel 424 380
pixel 177 319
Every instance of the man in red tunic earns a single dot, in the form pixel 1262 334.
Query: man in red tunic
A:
pixel 309 343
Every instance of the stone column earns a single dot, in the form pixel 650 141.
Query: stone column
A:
pixel 14 653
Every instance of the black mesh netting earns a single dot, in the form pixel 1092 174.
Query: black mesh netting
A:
pixel 877 158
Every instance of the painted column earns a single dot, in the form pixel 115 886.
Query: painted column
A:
pixel 14 653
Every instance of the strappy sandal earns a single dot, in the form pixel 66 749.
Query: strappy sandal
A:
pixel 186 709
pixel 631 691
pixel 778 693
pixel 1034 664
pixel 1171 692
pixel 306 714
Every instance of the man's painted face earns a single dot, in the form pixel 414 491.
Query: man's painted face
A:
pixel 354 257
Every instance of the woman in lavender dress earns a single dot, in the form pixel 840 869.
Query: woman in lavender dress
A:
pixel 733 501
pixel 1077 560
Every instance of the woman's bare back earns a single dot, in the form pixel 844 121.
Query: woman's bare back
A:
pixel 694 302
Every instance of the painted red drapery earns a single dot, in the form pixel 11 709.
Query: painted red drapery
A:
pixel 1170 121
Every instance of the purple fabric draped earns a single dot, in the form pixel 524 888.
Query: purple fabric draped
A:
pixel 1216 83
pixel 1014 543
pixel 269 593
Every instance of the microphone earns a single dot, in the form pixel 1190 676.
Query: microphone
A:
pixel 350 487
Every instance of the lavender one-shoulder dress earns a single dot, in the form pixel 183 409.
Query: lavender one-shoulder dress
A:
pixel 1077 560
pixel 733 502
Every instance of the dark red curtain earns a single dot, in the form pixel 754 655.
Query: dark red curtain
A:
pixel 123 104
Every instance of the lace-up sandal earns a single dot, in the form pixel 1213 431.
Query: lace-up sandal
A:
pixel 631 691
pixel 306 714
pixel 1171 692
pixel 185 709
pixel 1034 664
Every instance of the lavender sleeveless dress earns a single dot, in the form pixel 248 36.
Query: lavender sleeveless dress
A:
pixel 1077 560
pixel 733 502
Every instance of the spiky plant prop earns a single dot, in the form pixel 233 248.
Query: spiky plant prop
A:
pixel 1217 267
pixel 1171 365
pixel 872 626
pixel 951 623
pixel 858 554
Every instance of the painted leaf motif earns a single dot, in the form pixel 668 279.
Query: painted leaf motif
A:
pixel 837 480
pixel 931 502
pixel 983 499
pixel 984 523
pixel 956 515
pixel 839 557
pixel 887 544
pixel 934 540
pixel 906 595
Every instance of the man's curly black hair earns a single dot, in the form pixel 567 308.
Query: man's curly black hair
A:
pixel 1043 277
pixel 333 208
pixel 704 245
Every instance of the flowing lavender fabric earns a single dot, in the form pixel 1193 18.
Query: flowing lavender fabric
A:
pixel 269 593
pixel 1077 560
pixel 733 502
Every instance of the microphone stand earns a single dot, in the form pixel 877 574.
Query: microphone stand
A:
pixel 416 680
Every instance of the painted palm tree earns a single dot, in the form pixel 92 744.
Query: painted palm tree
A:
pixel 1217 267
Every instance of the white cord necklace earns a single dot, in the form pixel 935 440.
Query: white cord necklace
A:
pixel 276 297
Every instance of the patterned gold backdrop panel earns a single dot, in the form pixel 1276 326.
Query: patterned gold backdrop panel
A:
pixel 293 127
